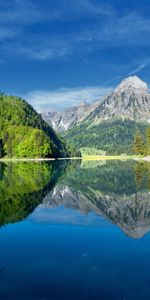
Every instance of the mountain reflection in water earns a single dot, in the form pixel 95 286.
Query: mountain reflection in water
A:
pixel 77 193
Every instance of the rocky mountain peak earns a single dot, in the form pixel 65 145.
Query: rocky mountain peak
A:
pixel 132 84
pixel 129 100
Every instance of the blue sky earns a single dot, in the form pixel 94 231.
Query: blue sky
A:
pixel 56 53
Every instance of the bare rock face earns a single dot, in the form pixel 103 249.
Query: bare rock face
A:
pixel 62 121
pixel 132 84
pixel 129 100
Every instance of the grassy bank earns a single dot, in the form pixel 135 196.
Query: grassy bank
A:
pixel 110 157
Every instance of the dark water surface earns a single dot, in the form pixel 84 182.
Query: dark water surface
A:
pixel 72 230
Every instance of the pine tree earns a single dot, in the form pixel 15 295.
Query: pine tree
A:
pixel 138 143
pixel 148 140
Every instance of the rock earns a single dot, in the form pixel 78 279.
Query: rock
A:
pixel 129 100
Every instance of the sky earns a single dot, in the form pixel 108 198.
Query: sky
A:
pixel 57 53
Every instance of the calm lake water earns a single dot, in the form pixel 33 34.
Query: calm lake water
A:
pixel 75 230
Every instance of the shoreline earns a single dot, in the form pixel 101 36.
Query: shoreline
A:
pixel 88 158
pixel 36 159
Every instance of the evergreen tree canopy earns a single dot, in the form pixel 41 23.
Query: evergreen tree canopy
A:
pixel 148 140
pixel 138 143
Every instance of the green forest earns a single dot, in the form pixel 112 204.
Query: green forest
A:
pixel 23 132
pixel 115 136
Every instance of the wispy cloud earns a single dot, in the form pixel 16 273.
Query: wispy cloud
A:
pixel 130 30
pixel 30 11
pixel 125 73
pixel 6 33
pixel 41 52
pixel 65 97
pixel 84 7
pixel 109 81
pixel 107 30
pixel 138 69
pixel 20 12
pixel 17 16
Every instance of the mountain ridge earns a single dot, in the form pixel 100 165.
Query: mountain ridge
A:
pixel 129 100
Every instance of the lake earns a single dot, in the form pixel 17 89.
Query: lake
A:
pixel 75 230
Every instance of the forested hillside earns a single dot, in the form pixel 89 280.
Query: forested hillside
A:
pixel 23 132
pixel 115 136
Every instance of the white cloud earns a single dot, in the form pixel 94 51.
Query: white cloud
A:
pixel 64 97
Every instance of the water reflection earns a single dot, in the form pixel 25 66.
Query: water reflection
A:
pixel 23 186
pixel 67 191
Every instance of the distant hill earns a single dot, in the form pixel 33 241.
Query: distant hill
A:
pixel 23 132
pixel 111 122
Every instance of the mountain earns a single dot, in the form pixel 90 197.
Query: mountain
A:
pixel 118 191
pixel 64 120
pixel 110 123
pixel 130 100
pixel 23 132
